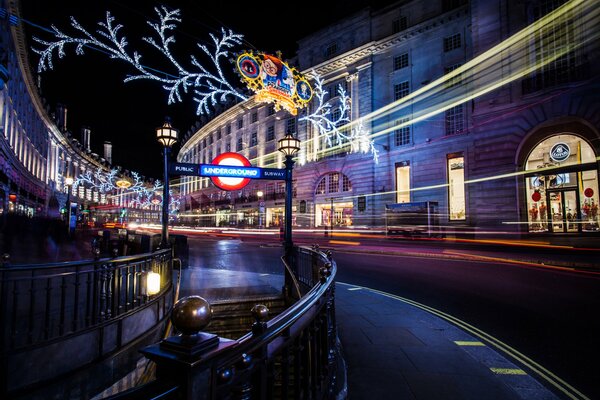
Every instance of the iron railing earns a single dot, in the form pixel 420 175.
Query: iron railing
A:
pixel 41 303
pixel 292 356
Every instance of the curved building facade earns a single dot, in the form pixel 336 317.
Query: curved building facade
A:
pixel 37 152
pixel 489 111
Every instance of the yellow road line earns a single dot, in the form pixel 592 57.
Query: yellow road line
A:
pixel 468 343
pixel 508 371
pixel 542 372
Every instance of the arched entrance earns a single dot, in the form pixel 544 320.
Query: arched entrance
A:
pixel 562 186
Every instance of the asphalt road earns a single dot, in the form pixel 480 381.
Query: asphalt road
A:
pixel 549 315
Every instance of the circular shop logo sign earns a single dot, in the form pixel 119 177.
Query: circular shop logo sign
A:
pixel 229 183
pixel 560 152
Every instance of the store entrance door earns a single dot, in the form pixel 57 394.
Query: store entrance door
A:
pixel 564 210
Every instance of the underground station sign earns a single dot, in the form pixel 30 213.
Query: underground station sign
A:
pixel 228 171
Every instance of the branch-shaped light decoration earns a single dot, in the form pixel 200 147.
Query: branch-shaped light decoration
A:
pixel 328 120
pixel 100 180
pixel 174 203
pixel 209 84
pixel 210 87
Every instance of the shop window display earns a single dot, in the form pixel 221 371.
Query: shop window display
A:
pixel 559 200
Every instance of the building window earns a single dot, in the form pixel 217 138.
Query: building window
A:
pixel 218 134
pixel 290 127
pixel 334 183
pixel 253 139
pixel 240 123
pixel 330 183
pixel 270 109
pixel 456 80
pixel 228 130
pixel 402 134
pixel 456 188
pixel 400 90
pixel 321 186
pixel 346 184
pixel 254 117
pixel 240 144
pixel 399 24
pixel 403 182
pixel 401 61
pixel 452 42
pixel 331 49
pixel 455 121
pixel 334 89
pixel 210 139
pixel 270 133
pixel 551 50
pixel 227 147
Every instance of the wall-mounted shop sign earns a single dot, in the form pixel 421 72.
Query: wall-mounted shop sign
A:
pixel 560 152
pixel 228 171
pixel 274 81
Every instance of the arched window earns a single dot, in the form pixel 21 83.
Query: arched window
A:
pixel 333 182
pixel 562 186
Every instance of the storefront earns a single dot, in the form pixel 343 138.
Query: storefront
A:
pixel 562 186
pixel 341 212
pixel 274 216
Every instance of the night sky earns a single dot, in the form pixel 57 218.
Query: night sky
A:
pixel 91 86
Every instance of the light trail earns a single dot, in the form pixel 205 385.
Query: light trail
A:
pixel 512 54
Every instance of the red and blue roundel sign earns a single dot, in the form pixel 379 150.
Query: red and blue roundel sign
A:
pixel 229 183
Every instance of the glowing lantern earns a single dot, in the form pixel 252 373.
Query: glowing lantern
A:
pixel 123 183
pixel 152 283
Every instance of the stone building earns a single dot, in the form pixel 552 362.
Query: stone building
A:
pixel 37 151
pixel 487 109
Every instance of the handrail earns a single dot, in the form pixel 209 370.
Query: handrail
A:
pixel 291 356
pixel 41 303
pixel 121 259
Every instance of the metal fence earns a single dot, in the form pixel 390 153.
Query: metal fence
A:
pixel 41 303
pixel 292 356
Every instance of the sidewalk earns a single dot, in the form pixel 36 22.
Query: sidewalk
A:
pixel 394 349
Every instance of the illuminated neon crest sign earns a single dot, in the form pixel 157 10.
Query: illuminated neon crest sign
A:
pixel 274 81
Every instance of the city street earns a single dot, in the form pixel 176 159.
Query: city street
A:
pixel 546 314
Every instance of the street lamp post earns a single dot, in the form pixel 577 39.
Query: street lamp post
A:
pixel 289 146
pixel 68 184
pixel 261 207
pixel 167 136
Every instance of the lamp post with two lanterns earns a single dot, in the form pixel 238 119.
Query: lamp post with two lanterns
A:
pixel 289 146
pixel 167 136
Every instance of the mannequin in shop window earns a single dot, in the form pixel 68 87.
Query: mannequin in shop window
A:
pixel 569 218
pixel 543 215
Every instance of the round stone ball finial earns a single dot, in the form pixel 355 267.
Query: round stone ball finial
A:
pixel 260 312
pixel 191 314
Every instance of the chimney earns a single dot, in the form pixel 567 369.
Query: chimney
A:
pixel 108 152
pixel 61 117
pixel 85 138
